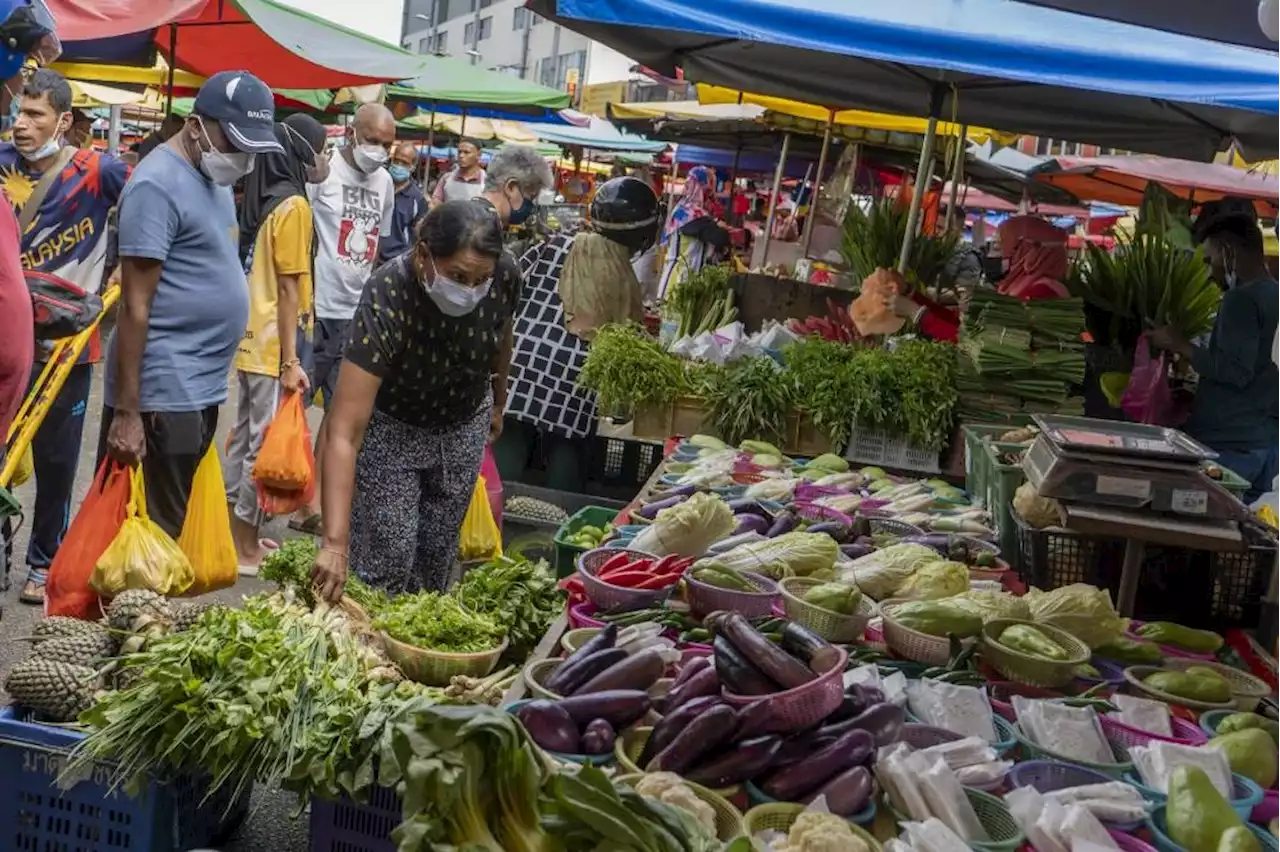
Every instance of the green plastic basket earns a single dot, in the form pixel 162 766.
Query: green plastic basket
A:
pixel 1001 483
pixel 1024 668
pixel 1031 751
pixel 1233 482
pixel 994 815
pixel 779 817
pixel 975 457
pixel 567 554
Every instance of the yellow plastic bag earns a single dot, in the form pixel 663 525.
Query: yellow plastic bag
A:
pixel 481 538
pixel 206 532
pixel 141 556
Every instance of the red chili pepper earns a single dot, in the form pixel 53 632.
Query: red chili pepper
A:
pixel 571 584
pixel 663 565
pixel 657 581
pixel 628 579
pixel 614 562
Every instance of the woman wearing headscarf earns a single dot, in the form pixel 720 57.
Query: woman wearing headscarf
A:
pixel 275 245
pixel 574 285
pixel 692 236
pixel 1037 256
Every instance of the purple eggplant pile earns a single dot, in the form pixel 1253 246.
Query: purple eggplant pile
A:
pixel 584 724
pixel 600 666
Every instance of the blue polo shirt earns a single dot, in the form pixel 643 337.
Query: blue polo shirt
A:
pixel 410 206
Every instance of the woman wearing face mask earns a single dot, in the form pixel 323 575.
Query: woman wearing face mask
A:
pixel 463 182
pixel 275 244
pixel 408 425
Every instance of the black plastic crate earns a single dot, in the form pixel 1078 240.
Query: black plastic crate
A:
pixel 1055 557
pixel 1240 582
pixel 618 462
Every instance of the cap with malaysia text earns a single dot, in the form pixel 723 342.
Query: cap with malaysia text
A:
pixel 245 109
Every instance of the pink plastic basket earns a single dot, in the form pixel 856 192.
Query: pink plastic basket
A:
pixel 1167 650
pixel 1120 734
pixel 821 514
pixel 613 598
pixel 1129 843
pixel 1268 809
pixel 798 708
pixel 705 598
pixel 581 616
pixel 996 690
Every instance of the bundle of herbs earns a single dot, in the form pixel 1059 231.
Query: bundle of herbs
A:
pixel 750 400
pixel 872 239
pixel 439 622
pixel 702 301
pixel 520 596
pixel 629 369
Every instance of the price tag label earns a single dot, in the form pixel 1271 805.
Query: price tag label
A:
pixel 1123 486
pixel 1190 502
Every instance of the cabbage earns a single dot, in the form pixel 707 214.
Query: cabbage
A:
pixel 1037 511
pixel 795 554
pixel 688 528
pixel 992 605
pixel 879 574
pixel 1082 610
pixel 939 579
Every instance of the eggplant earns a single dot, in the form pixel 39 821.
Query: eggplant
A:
pixel 792 783
pixel 549 725
pixel 749 506
pixel 799 747
pixel 700 737
pixel 736 674
pixel 848 792
pixel 618 707
pixel 638 671
pixel 597 738
pixel 606 638
pixel 750 523
pixel 673 723
pixel 835 529
pixel 690 669
pixel 855 550
pixel 940 542
pixel 882 721
pixel 651 510
pixel 583 670
pixel 857 698
pixel 727 544
pixel 784 523
pixel 742 762
pixel 779 666
pixel 703 683
pixel 680 491
pixel 801 642
pixel 755 719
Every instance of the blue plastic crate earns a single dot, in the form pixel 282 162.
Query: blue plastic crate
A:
pixel 35 816
pixel 348 826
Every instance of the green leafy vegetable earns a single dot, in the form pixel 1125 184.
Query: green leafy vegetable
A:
pixel 750 401
pixel 702 301
pixel 629 369
pixel 519 595
pixel 439 622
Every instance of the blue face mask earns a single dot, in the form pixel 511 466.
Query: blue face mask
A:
pixel 399 173
pixel 48 149
pixel 521 213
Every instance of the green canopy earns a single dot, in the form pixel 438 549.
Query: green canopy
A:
pixel 287 100
pixel 451 81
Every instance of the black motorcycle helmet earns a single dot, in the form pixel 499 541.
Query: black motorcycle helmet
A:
pixel 625 209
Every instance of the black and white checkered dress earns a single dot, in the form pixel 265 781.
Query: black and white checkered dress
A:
pixel 542 385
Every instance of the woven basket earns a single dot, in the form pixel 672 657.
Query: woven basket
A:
pixel 822 514
pixel 1025 668
pixel 574 639
pixel 1114 771
pixel 1002 828
pixel 436 668
pixel 609 597
pixel 1048 775
pixel 1245 794
pixel 1247 689
pixel 779 817
pixel 1133 677
pixel 705 598
pixel 1160 837
pixel 1184 733
pixel 831 626
pixel 537 671
pixel 728 820
pixel 581 615
pixel 912 644
pixel 629 744
pixel 865 817
pixel 798 708
pixel 889 525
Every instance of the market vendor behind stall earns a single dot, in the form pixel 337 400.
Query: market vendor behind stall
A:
pixel 1235 406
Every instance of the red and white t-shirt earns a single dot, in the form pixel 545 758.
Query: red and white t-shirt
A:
pixel 351 210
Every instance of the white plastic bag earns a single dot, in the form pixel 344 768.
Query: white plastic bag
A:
pixel 1072 732
pixel 964 710
pixel 948 802
pixel 1144 714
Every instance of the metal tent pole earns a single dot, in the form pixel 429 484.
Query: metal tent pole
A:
pixel 923 171
pixel 773 196
pixel 817 184
pixel 173 64
pixel 431 138
pixel 957 174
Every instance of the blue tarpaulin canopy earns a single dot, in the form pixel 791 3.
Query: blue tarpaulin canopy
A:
pixel 600 136
pixel 993 63
pixel 1231 21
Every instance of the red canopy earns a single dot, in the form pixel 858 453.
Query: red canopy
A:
pixel 973 198
pixel 1122 180
pixel 86 20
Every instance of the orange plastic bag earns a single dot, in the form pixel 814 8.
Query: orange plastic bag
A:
pixel 206 532
pixel 872 311
pixel 67 591
pixel 285 461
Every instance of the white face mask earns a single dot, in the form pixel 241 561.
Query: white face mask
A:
pixel 222 168
pixel 369 158
pixel 454 299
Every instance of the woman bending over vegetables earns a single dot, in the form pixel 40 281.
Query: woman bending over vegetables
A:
pixel 412 412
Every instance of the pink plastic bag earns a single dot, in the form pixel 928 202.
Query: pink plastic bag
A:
pixel 492 484
pixel 1148 398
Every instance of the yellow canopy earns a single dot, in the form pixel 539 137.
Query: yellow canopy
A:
pixel 477 128
pixel 846 117
pixel 85 95
pixel 126 75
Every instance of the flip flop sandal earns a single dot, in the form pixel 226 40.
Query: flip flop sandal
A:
pixel 32 598
pixel 311 526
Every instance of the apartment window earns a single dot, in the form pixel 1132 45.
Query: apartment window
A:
pixel 519 18
pixel 1044 146
pixel 442 10
pixel 469 33
pixel 537 19
pixel 442 42
pixel 485 4
pixel 486 27
pixel 424 45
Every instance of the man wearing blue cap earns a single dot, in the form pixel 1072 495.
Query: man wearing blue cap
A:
pixel 184 301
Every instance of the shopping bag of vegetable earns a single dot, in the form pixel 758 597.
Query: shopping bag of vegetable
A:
pixel 1148 397
pixel 67 591
pixel 206 532
pixel 492 483
pixel 481 538
pixel 284 460
pixel 141 556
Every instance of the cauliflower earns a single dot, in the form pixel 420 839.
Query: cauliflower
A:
pixel 819 832
pixel 670 789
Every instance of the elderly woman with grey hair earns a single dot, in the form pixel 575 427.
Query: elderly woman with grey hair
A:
pixel 516 174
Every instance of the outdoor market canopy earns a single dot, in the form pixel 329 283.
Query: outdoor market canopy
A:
pixel 1231 21
pixel 1014 66
pixel 442 80
pixel 599 136
pixel 1122 180
pixel 482 129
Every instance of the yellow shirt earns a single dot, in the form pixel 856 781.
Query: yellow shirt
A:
pixel 283 247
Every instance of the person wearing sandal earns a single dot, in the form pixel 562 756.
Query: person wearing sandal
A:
pixel 275 245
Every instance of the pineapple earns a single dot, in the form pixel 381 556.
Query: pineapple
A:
pixel 58 626
pixel 86 649
pixel 127 608
pixel 55 692
pixel 185 615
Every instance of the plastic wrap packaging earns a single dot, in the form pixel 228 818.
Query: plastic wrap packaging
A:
pixel 1038 818
pixel 1144 714
pixel 964 710
pixel 1079 826
pixel 1156 762
pixel 1114 801
pixel 932 835
pixel 948 802
pixel 1071 732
